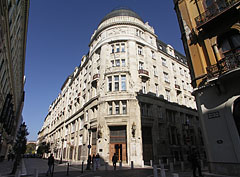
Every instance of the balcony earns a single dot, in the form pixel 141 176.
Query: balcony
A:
pixel 177 86
pixel 144 74
pixel 215 9
pixel 95 79
pixel 224 65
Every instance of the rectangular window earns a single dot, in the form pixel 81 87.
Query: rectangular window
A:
pixel 166 77
pixel 156 87
pixel 112 63
pixel 117 48
pixel 112 48
pixel 117 111
pixel 168 95
pixel 140 52
pixel 123 82
pixel 116 83
pixel 124 107
pixel 154 70
pixel 110 83
pixel 181 71
pixel 140 65
pixel 164 62
pixel 123 47
pixel 153 54
pixel 123 62
pixel 110 110
pixel 173 67
pixel 117 62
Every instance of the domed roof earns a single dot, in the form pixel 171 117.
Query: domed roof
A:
pixel 121 12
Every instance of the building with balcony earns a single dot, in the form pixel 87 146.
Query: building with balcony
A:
pixel 122 99
pixel 13 35
pixel 210 34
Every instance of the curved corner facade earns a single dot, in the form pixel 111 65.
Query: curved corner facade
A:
pixel 131 96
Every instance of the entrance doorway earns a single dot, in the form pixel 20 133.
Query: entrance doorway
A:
pixel 118 143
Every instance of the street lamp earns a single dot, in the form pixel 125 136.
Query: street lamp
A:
pixel 89 147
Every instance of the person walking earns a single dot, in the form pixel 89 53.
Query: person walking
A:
pixel 195 160
pixel 50 164
pixel 114 160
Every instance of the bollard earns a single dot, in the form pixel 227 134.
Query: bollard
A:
pixel 182 165
pixel 106 166
pixel 142 163
pixel 151 163
pixel 82 166
pixel 155 172
pixel 120 165
pixel 171 167
pixel 160 162
pixel 35 172
pixel 175 175
pixel 132 165
pixel 163 174
pixel 67 169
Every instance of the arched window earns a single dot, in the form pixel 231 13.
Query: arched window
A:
pixel 236 114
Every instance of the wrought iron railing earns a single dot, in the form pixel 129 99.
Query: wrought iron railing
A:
pixel 228 63
pixel 142 71
pixel 214 9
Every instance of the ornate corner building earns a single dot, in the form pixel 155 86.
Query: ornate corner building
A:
pixel 131 96
pixel 13 35
pixel 210 34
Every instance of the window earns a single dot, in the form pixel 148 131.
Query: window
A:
pixel 124 107
pixel 168 95
pixel 143 87
pixel 140 65
pixel 112 61
pixel 140 50
pixel 153 54
pixel 123 62
pixel 123 82
pixel 117 48
pixel 110 110
pixel 80 140
pixel 110 83
pixel 173 67
pixel 164 62
pixel 116 83
pixel 183 85
pixel 117 110
pixel 166 77
pixel 73 127
pixel 117 62
pixel 123 47
pixel 81 123
pixel 156 87
pixel 181 71
pixel 154 70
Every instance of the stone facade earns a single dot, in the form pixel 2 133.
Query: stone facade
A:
pixel 131 95
pixel 13 35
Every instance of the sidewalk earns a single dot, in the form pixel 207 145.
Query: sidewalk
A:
pixel 6 167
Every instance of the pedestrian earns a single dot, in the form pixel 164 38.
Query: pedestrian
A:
pixel 97 161
pixel 114 160
pixel 195 160
pixel 50 164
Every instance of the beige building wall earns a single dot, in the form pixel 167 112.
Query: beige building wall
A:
pixel 127 66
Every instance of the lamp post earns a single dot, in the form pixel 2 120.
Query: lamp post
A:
pixel 89 147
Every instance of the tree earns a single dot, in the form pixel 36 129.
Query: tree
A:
pixel 43 148
pixel 20 147
pixel 31 147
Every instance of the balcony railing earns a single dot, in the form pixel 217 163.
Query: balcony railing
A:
pixel 95 79
pixel 228 63
pixel 96 76
pixel 214 9
pixel 144 74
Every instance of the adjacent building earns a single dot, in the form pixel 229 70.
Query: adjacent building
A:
pixel 131 96
pixel 13 34
pixel 210 34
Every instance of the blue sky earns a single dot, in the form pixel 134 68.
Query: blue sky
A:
pixel 59 32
